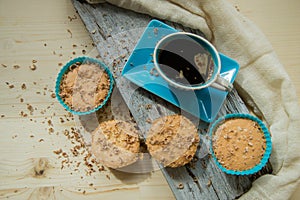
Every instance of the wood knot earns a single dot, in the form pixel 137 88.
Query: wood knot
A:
pixel 40 166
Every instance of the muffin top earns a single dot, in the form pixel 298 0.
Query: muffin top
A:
pixel 116 143
pixel 238 144
pixel 84 86
pixel 172 140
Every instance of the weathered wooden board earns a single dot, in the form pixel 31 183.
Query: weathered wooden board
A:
pixel 115 31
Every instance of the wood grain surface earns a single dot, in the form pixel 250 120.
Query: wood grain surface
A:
pixel 47 34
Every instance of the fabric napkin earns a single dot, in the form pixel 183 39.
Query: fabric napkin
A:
pixel 262 81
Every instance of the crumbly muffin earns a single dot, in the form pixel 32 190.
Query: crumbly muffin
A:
pixel 84 86
pixel 116 143
pixel 172 140
pixel 238 144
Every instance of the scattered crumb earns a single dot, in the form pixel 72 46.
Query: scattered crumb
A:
pixel 209 182
pixel 74 45
pixel 34 61
pixel 23 86
pixel 72 18
pixel 237 8
pixel 32 136
pixel 148 106
pixel 41 140
pixel 94 31
pixel 74 53
pixel 59 151
pixel 2 116
pixel 23 114
pixel 51 130
pixel 5 66
pixel 107 176
pixel 53 95
pixel 60 64
pixel 16 66
pixel 32 67
pixel 180 186
pixel 69 31
pixel 45 44
pixel 83 51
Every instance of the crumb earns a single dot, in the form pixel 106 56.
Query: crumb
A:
pixel 74 53
pixel 41 140
pixel 34 83
pixel 59 151
pixel 23 86
pixel 11 86
pixel 53 95
pixel 16 66
pixel 107 176
pixel 32 136
pixel 83 51
pixel 74 45
pixel 209 182
pixel 32 67
pixel 60 64
pixel 51 130
pixel 69 31
pixel 148 120
pixel 5 66
pixel 94 31
pixel 180 186
pixel 148 106
pixel 45 44
pixel 2 116
pixel 34 61
pixel 50 123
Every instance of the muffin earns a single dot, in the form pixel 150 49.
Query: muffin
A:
pixel 84 85
pixel 116 144
pixel 172 140
pixel 240 144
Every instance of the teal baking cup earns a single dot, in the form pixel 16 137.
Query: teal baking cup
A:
pixel 65 68
pixel 267 136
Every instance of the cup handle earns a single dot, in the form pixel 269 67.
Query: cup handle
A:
pixel 222 84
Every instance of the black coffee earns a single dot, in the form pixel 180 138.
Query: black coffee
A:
pixel 185 61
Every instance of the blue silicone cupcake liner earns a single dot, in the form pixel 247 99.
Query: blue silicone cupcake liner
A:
pixel 267 135
pixel 65 68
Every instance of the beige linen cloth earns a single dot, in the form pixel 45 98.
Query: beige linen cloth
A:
pixel 261 81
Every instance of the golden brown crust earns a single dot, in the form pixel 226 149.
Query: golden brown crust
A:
pixel 239 144
pixel 173 140
pixel 116 143
pixel 84 86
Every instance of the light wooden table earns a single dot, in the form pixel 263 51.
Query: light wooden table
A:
pixel 47 32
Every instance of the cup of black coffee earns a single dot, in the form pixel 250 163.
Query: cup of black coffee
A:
pixel 188 61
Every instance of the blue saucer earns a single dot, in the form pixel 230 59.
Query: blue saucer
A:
pixel 204 104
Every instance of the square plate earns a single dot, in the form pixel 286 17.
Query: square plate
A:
pixel 139 69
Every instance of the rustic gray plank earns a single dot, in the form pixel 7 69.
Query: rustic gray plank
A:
pixel 115 31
